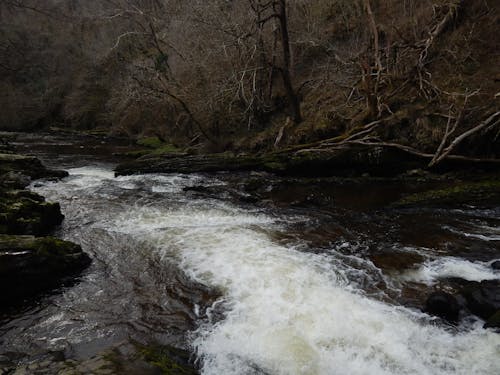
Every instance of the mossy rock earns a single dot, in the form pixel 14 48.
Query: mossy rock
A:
pixel 29 265
pixel 466 193
pixel 339 162
pixel 25 212
pixel 170 360
pixel 151 142
pixel 154 147
pixel 127 357
pixel 27 165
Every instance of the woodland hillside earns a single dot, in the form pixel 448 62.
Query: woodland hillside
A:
pixel 252 75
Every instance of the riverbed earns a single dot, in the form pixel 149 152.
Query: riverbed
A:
pixel 313 277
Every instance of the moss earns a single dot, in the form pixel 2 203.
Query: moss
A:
pixel 151 142
pixel 51 246
pixel 166 149
pixel 170 361
pixel 275 166
pixel 40 246
pixel 462 193
pixel 23 212
pixel 154 147
pixel 136 153
pixel 30 265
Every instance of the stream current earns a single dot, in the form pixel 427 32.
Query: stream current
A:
pixel 253 289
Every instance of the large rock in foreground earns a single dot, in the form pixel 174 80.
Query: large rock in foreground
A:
pixel 29 265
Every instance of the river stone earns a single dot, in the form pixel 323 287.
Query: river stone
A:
pixel 493 321
pixel 29 265
pixel 396 260
pixel 25 212
pixel 496 265
pixel 27 165
pixel 444 305
pixel 15 180
pixel 483 299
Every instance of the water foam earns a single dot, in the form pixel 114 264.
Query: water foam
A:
pixel 286 311
pixel 290 312
pixel 448 267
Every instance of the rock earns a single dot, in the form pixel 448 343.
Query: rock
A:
pixel 493 321
pixel 197 189
pixel 6 365
pixel 15 180
pixel 28 166
pixel 444 305
pixel 396 260
pixel 486 193
pixel 496 265
pixel 483 299
pixel 29 265
pixel 25 212
pixel 21 211
pixel 122 358
pixel 188 164
pixel 377 161
pixel 169 360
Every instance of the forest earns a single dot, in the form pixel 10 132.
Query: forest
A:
pixel 257 75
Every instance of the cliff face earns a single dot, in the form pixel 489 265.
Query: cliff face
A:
pixel 226 74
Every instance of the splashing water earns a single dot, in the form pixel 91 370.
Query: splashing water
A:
pixel 284 310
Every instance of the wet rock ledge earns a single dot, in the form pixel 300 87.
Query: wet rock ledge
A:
pixel 30 260
pixel 29 265
pixel 340 162
pixel 123 358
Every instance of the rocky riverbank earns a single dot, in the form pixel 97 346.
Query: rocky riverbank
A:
pixel 301 160
pixel 340 162
pixel 123 358
pixel 31 261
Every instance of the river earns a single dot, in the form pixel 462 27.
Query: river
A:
pixel 266 287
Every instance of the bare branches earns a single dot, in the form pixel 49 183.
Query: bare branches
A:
pixel 425 45
pixel 437 31
pixel 124 35
pixel 449 131
pixel 491 121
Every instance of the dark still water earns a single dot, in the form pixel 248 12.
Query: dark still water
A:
pixel 270 287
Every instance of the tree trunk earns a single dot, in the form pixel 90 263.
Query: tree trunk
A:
pixel 285 70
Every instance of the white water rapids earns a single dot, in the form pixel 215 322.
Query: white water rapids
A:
pixel 286 310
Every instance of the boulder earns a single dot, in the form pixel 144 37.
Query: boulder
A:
pixel 25 212
pixel 483 299
pixel 493 321
pixel 15 180
pixel 29 265
pixel 27 166
pixel 443 305
pixel 496 265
